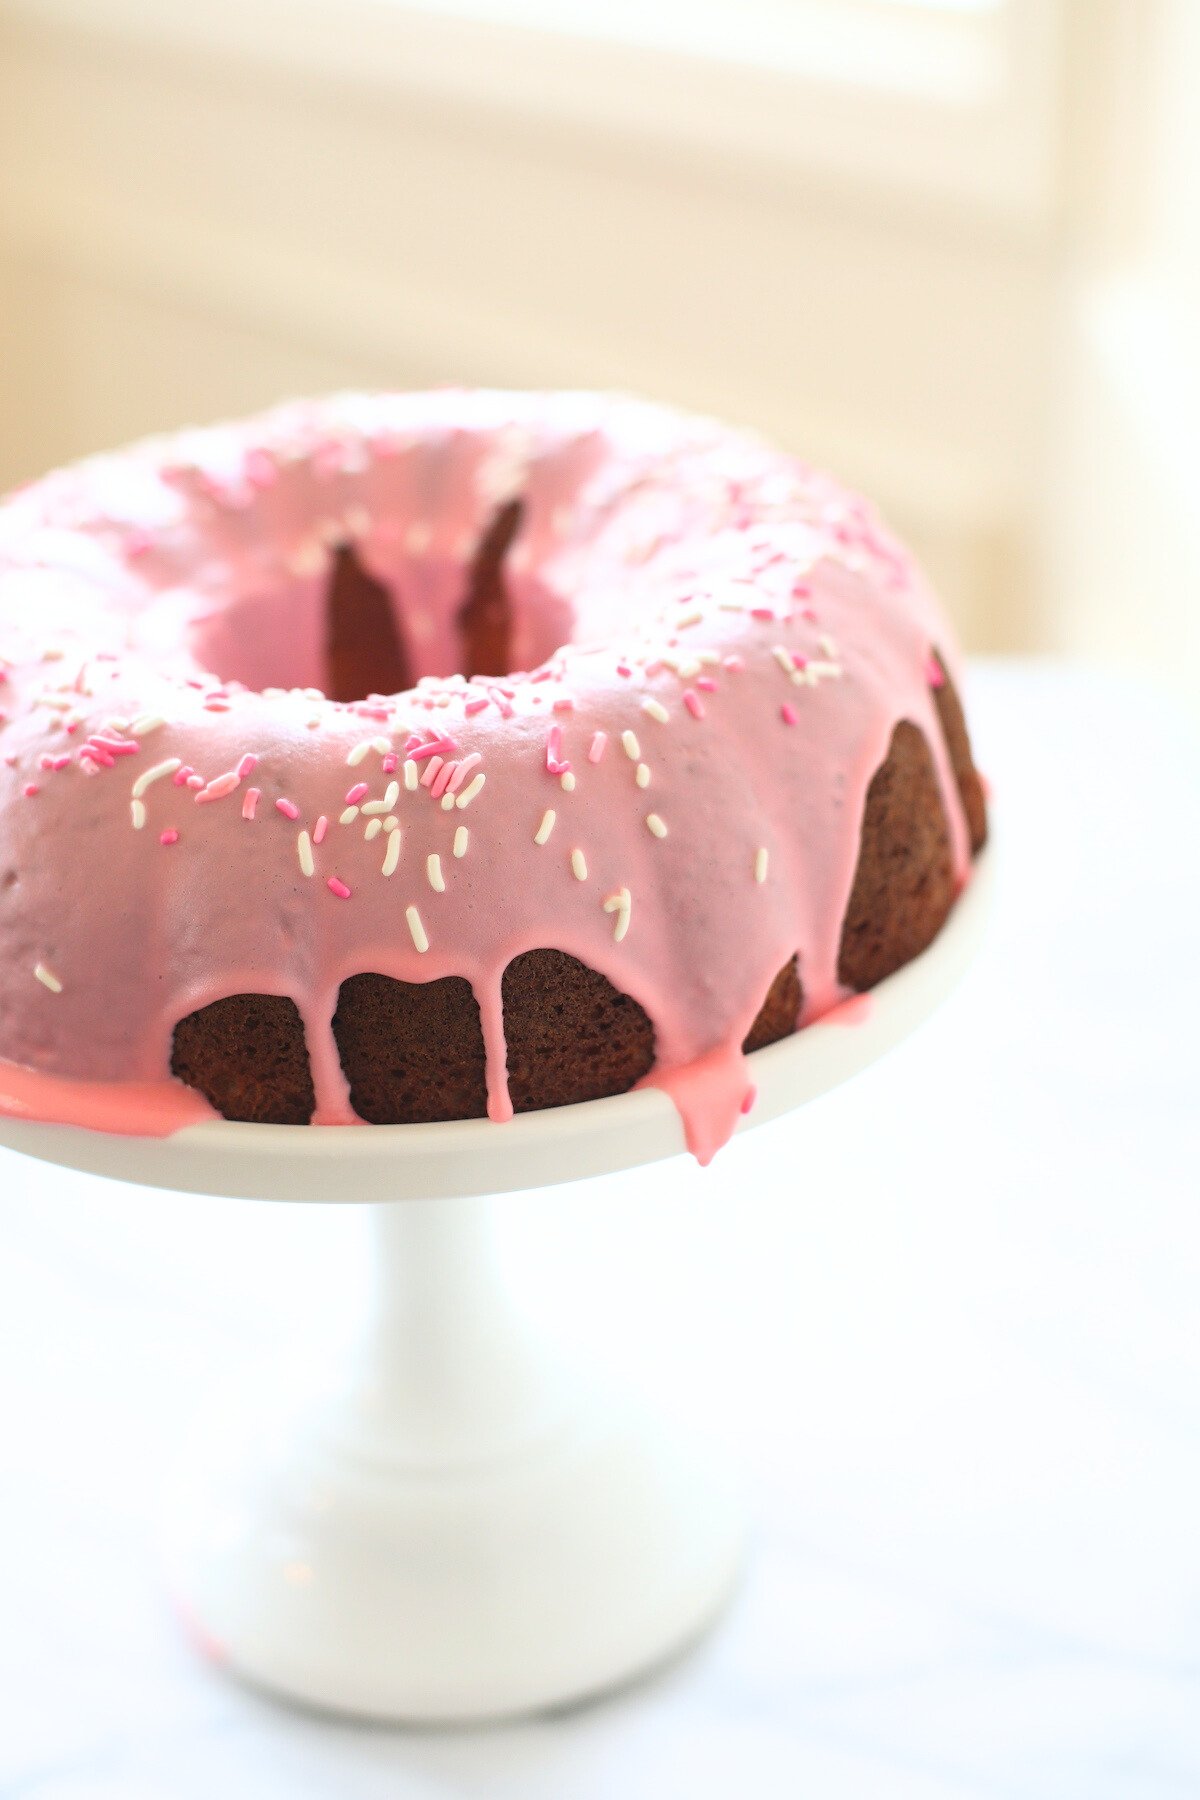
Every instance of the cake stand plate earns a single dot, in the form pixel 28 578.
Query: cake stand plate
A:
pixel 449 1522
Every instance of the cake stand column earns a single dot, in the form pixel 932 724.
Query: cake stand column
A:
pixel 449 1523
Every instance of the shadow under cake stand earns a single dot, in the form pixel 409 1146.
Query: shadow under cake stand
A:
pixel 450 1524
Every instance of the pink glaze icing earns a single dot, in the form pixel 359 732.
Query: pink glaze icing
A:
pixel 720 642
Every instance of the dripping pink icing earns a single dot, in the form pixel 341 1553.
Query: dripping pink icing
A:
pixel 166 608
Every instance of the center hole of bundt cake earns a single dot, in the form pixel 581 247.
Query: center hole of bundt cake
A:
pixel 367 638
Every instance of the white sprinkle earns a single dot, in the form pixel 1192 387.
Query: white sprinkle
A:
pixel 546 827
pixel 642 775
pixel 579 865
pixel 656 709
pixel 433 868
pixel 47 978
pixel 415 926
pixel 391 824
pixel 760 865
pixel 349 815
pixel 374 827
pixel 469 792
pixel 630 745
pixel 691 618
pixel 381 745
pixel 656 825
pixel 783 658
pixel 376 806
pixel 685 670
pixel 412 775
pixel 460 841
pixel 359 752
pixel 567 782
pixel 146 724
pixel 304 852
pixel 391 796
pixel 828 647
pixel 622 904
pixel 447 802
pixel 149 776
pixel 392 854
pixel 137 812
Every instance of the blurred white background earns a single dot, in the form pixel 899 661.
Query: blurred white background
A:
pixel 948 247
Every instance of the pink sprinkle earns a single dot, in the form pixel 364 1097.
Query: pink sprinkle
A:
pixel 693 703
pixel 436 746
pixel 252 798
pixel 261 470
pixel 798 661
pixel 934 673
pixel 733 664
pixel 338 887
pixel 288 808
pixel 182 776
pixel 801 590
pixel 542 675
pixel 761 612
pixel 431 769
pixel 809 613
pixel 216 706
pixel 475 706
pixel 217 790
pixel 245 766
pixel 319 830
pixel 788 714
pixel 554 762
pixel 358 792
pixel 114 746
pixel 31 788
pixel 706 684
pixel 597 748
pixel 624 669
pixel 391 763
pixel 462 770
pixel 750 1097
pixel 170 836
pixel 564 704
pixel 442 780
pixel 195 781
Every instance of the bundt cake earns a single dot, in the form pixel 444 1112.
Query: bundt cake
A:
pixel 409 757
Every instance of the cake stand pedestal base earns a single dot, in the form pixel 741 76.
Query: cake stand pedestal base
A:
pixel 450 1525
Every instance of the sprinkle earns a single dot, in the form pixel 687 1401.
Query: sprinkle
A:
pixel 137 812
pixel 149 776
pixel 693 703
pixel 579 865
pixel 433 869
pixel 783 657
pixel 304 852
pixel 47 978
pixel 656 825
pixel 460 841
pixel 392 854
pixel 448 802
pixel 411 774
pixel 596 751
pixel 733 664
pixel 431 771
pixel 358 792
pixel 348 816
pixel 416 929
pixel 656 709
pixel 567 782
pixel 169 836
pixel 442 779
pixel 546 827
pixel 194 781
pixel 31 789
pixel 461 771
pixel 761 861
pixel 374 827
pixel 706 684
pixel 622 904
pixel 391 824
pixel 391 763
pixel 252 798
pixel 380 745
pixel 288 808
pixel 642 775
pixel 828 647
pixel 788 714
pixel 319 830
pixel 246 767
pixel 476 705
pixel 469 792
pixel 555 765
pixel 146 724
pixel 338 887
pixel 180 778
pixel 630 745
pixel 225 784
pixel 359 753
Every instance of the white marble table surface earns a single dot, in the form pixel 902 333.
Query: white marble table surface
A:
pixel 947 1318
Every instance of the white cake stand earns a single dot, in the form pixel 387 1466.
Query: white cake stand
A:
pixel 449 1524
